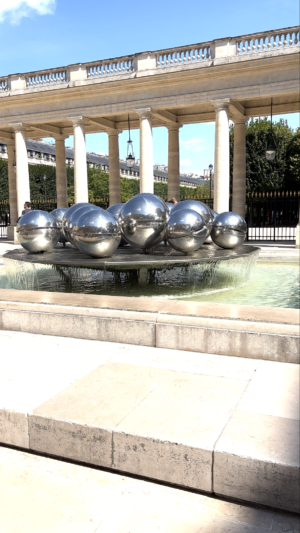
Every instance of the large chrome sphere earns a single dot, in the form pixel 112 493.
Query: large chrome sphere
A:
pixel 97 233
pixel 143 220
pixel 200 208
pixel 170 206
pixel 38 231
pixel 229 230
pixel 209 240
pixel 115 211
pixel 58 214
pixel 186 230
pixel 74 217
pixel 65 220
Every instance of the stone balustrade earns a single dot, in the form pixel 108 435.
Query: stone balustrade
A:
pixel 183 55
pixel 272 40
pixel 3 85
pixel 100 69
pixel 285 40
pixel 46 78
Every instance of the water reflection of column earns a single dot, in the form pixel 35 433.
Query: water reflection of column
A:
pixel 239 167
pixel 173 162
pixel 61 172
pixel 114 169
pixel 146 151
pixel 12 187
pixel 221 170
pixel 22 173
pixel 80 167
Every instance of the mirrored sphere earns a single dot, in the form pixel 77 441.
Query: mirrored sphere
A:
pixel 74 217
pixel 186 230
pixel 97 233
pixel 170 206
pixel 115 211
pixel 65 220
pixel 229 230
pixel 200 208
pixel 58 214
pixel 38 231
pixel 143 220
pixel 209 239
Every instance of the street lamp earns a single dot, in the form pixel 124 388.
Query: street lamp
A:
pixel 45 178
pixel 210 172
pixel 271 152
pixel 130 159
pixel 14 163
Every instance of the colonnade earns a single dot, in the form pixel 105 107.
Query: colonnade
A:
pixel 19 191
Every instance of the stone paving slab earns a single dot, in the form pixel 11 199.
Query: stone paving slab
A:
pixel 39 495
pixel 174 417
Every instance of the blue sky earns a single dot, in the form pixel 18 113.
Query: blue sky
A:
pixel 38 34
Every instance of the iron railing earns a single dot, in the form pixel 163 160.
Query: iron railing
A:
pixel 272 216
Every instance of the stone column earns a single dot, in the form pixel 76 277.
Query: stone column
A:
pixel 114 169
pixel 173 162
pixel 221 167
pixel 12 189
pixel 146 151
pixel 22 173
pixel 61 172
pixel 80 168
pixel 239 167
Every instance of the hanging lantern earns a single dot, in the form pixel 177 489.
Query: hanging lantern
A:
pixel 130 159
pixel 271 152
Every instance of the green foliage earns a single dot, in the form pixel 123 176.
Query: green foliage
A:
pixel 263 175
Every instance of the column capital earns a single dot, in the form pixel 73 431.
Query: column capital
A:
pixel 77 120
pixel 239 120
pixel 144 112
pixel 222 103
pixel 18 126
pixel 113 132
pixel 175 126
pixel 60 137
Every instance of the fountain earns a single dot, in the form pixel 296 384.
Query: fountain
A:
pixel 144 222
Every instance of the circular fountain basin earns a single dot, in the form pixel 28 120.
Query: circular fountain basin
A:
pixel 129 258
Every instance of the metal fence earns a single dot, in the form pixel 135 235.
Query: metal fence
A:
pixel 272 216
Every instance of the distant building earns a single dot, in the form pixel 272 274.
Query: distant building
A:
pixel 41 152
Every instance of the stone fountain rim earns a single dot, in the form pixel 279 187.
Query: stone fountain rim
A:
pixel 133 260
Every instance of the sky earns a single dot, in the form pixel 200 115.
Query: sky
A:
pixel 41 34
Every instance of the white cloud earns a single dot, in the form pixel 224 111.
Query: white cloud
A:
pixel 192 144
pixel 185 162
pixel 15 10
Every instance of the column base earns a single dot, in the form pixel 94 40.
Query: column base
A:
pixel 297 236
pixel 12 234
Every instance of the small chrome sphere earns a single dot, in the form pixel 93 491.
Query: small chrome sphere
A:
pixel 74 217
pixel 58 214
pixel 200 208
pixel 186 230
pixel 38 231
pixel 115 211
pixel 143 220
pixel 229 230
pixel 97 233
pixel 65 220
pixel 209 239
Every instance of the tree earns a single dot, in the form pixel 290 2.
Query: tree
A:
pixel 263 175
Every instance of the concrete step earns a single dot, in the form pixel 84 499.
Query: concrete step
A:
pixel 39 494
pixel 222 425
pixel 237 330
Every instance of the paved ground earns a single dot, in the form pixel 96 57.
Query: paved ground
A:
pixel 214 423
pixel 42 495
